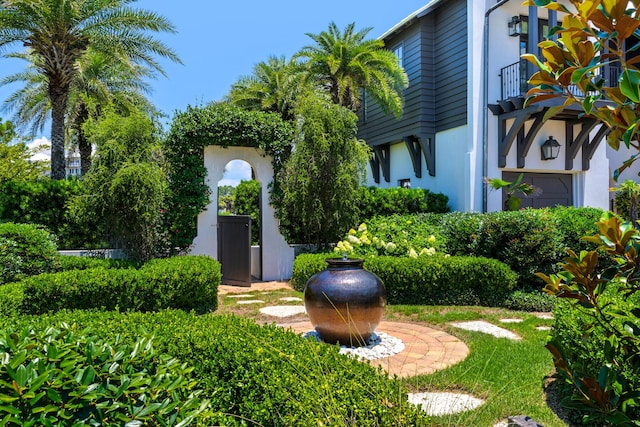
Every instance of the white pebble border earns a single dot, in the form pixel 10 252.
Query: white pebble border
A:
pixel 487 328
pixel 380 345
pixel 251 301
pixel 436 404
pixel 283 310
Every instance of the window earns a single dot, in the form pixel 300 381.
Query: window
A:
pixel 404 183
pixel 398 51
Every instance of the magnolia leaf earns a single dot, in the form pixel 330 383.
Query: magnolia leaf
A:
pixel 626 25
pixel 535 61
pixel 629 82
pixel 601 21
pixel 552 112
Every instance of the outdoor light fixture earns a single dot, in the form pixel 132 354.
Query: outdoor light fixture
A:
pixel 550 149
pixel 515 26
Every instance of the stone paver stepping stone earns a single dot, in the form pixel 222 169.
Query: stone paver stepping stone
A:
pixel 290 299
pixel 511 320
pixel 436 404
pixel 283 310
pixel 251 301
pixel 544 315
pixel 543 328
pixel 487 328
pixel 241 296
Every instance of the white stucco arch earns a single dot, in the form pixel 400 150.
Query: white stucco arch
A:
pixel 277 256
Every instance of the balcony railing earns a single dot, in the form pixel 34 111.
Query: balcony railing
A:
pixel 513 79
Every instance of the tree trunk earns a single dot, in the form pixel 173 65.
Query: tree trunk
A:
pixel 58 97
pixel 84 147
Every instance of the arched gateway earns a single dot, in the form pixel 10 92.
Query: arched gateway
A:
pixel 276 256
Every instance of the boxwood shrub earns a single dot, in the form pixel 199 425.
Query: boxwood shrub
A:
pixel 189 282
pixel 25 250
pixel 375 201
pixel 52 376
pixel 427 280
pixel 257 375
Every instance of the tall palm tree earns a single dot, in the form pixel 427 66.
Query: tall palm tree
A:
pixel 100 80
pixel 275 85
pixel 58 34
pixel 344 63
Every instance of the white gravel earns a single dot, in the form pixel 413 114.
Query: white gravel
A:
pixel 283 310
pixel 444 403
pixel 487 328
pixel 380 345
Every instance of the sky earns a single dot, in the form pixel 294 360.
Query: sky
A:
pixel 221 41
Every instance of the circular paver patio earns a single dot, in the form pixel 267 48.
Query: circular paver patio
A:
pixel 426 349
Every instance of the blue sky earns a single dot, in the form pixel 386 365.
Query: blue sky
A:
pixel 220 41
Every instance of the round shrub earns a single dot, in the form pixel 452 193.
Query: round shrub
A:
pixel 61 377
pixel 31 247
pixel 258 375
pixel 460 231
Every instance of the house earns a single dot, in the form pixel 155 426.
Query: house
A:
pixel 464 118
pixel 41 151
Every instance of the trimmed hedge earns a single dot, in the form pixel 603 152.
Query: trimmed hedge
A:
pixel 375 201
pixel 63 377
pixel 257 375
pixel 25 250
pixel 188 282
pixel 435 280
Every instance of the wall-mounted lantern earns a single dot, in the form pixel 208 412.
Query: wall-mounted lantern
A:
pixel 515 26
pixel 550 149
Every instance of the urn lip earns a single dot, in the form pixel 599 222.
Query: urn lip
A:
pixel 344 262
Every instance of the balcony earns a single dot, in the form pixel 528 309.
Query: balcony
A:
pixel 513 84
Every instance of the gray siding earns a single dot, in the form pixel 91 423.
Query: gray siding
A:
pixel 450 51
pixel 435 60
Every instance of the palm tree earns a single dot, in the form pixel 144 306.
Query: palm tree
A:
pixel 344 64
pixel 99 81
pixel 58 33
pixel 275 86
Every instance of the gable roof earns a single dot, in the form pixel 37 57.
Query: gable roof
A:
pixel 411 18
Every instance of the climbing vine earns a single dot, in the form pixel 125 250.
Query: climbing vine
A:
pixel 215 124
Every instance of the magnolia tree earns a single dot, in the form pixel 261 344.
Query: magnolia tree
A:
pixel 594 35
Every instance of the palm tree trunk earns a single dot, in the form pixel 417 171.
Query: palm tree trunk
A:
pixel 84 147
pixel 58 97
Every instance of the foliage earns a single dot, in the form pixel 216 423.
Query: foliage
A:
pixel 573 223
pixel 252 374
pixel 529 301
pixel 186 282
pixel 26 250
pixel 344 63
pixel 629 190
pixel 320 179
pixel 226 197
pixel 215 124
pixel 396 235
pixel 593 35
pixel 66 263
pixel 527 240
pixel 426 280
pixel 58 35
pixel 126 186
pixel 247 202
pixel 606 381
pixel 60 376
pixel 375 201
pixel 513 190
pixel 15 158
pixel 45 201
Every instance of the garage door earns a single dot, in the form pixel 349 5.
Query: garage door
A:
pixel 551 189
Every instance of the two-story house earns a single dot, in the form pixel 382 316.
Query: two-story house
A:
pixel 464 119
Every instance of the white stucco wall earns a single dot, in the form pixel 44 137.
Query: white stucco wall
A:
pixel 277 255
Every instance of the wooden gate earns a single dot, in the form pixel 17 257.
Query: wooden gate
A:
pixel 234 249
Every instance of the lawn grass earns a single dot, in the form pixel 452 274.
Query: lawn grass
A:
pixel 509 375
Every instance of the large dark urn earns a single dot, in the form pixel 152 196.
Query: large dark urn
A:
pixel 345 302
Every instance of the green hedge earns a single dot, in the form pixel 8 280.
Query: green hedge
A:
pixel 64 377
pixel 257 375
pixel 375 201
pixel 435 280
pixel 25 250
pixel 189 282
